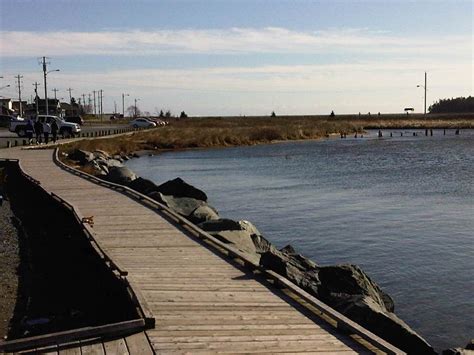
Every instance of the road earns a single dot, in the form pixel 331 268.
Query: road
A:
pixel 7 136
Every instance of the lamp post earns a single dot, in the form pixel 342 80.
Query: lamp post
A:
pixel 123 104
pixel 136 107
pixel 424 87
pixel 45 87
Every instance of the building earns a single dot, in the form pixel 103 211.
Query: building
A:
pixel 6 107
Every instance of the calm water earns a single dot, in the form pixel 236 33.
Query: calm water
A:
pixel 400 207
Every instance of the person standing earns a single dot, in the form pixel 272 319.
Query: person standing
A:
pixel 38 131
pixel 46 131
pixel 29 131
pixel 54 130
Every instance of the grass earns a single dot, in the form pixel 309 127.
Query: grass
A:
pixel 207 132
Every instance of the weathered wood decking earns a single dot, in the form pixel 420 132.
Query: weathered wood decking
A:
pixel 201 301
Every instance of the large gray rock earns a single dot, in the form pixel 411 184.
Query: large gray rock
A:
pixel 179 188
pixel 222 224
pixel 114 163
pixel 303 274
pixel 144 186
pixel 203 213
pixel 351 280
pixel 81 156
pixel 185 206
pixel 367 312
pixel 121 175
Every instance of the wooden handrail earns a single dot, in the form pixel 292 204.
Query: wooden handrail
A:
pixel 58 338
pixel 343 322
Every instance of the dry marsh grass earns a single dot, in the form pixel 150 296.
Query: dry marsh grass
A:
pixel 234 131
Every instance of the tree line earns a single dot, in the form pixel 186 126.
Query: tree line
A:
pixel 453 105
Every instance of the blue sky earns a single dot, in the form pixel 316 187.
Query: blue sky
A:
pixel 243 57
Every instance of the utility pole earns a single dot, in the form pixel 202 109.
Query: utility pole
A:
pixel 70 96
pixel 83 103
pixel 95 110
pixel 101 103
pixel 45 88
pixel 425 94
pixel 123 104
pixel 89 104
pixel 36 97
pixel 55 91
pixel 19 77
pixel 115 107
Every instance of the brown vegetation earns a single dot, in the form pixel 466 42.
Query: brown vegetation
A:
pixel 234 131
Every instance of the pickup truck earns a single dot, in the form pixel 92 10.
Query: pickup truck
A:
pixel 66 129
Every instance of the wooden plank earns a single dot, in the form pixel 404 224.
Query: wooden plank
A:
pixel 116 346
pixel 96 348
pixel 138 344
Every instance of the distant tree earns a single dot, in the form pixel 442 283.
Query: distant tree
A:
pixel 133 111
pixel 273 114
pixel 162 114
pixel 73 101
pixel 332 114
pixel 453 105
pixel 168 114
pixel 183 115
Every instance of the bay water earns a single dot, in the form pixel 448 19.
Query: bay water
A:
pixel 401 207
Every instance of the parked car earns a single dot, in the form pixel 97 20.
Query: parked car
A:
pixel 66 129
pixel 74 119
pixel 142 122
pixel 159 122
pixel 5 120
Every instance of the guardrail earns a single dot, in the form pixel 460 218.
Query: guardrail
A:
pixel 146 319
pixel 22 141
pixel 342 322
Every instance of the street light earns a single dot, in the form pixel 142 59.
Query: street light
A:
pixel 424 87
pixel 136 107
pixel 123 104
pixel 45 88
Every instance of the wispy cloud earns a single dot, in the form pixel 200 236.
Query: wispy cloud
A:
pixel 227 41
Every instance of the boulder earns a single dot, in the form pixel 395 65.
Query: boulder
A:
pixel 304 275
pixel 182 205
pixel 142 185
pixel 81 156
pixel 240 239
pixel 351 280
pixel 367 312
pixel 114 163
pixel 470 345
pixel 261 244
pixel 121 175
pixel 101 154
pixel 203 213
pixel 350 291
pixel 221 224
pixel 468 350
pixel 157 196
pixel 179 188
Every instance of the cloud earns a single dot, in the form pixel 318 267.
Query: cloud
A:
pixel 365 86
pixel 226 41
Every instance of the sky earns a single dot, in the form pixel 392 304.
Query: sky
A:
pixel 241 57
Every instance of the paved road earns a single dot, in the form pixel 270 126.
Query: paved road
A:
pixel 7 136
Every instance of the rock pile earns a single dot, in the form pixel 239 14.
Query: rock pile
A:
pixel 346 288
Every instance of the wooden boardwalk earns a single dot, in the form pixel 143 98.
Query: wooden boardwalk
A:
pixel 201 301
